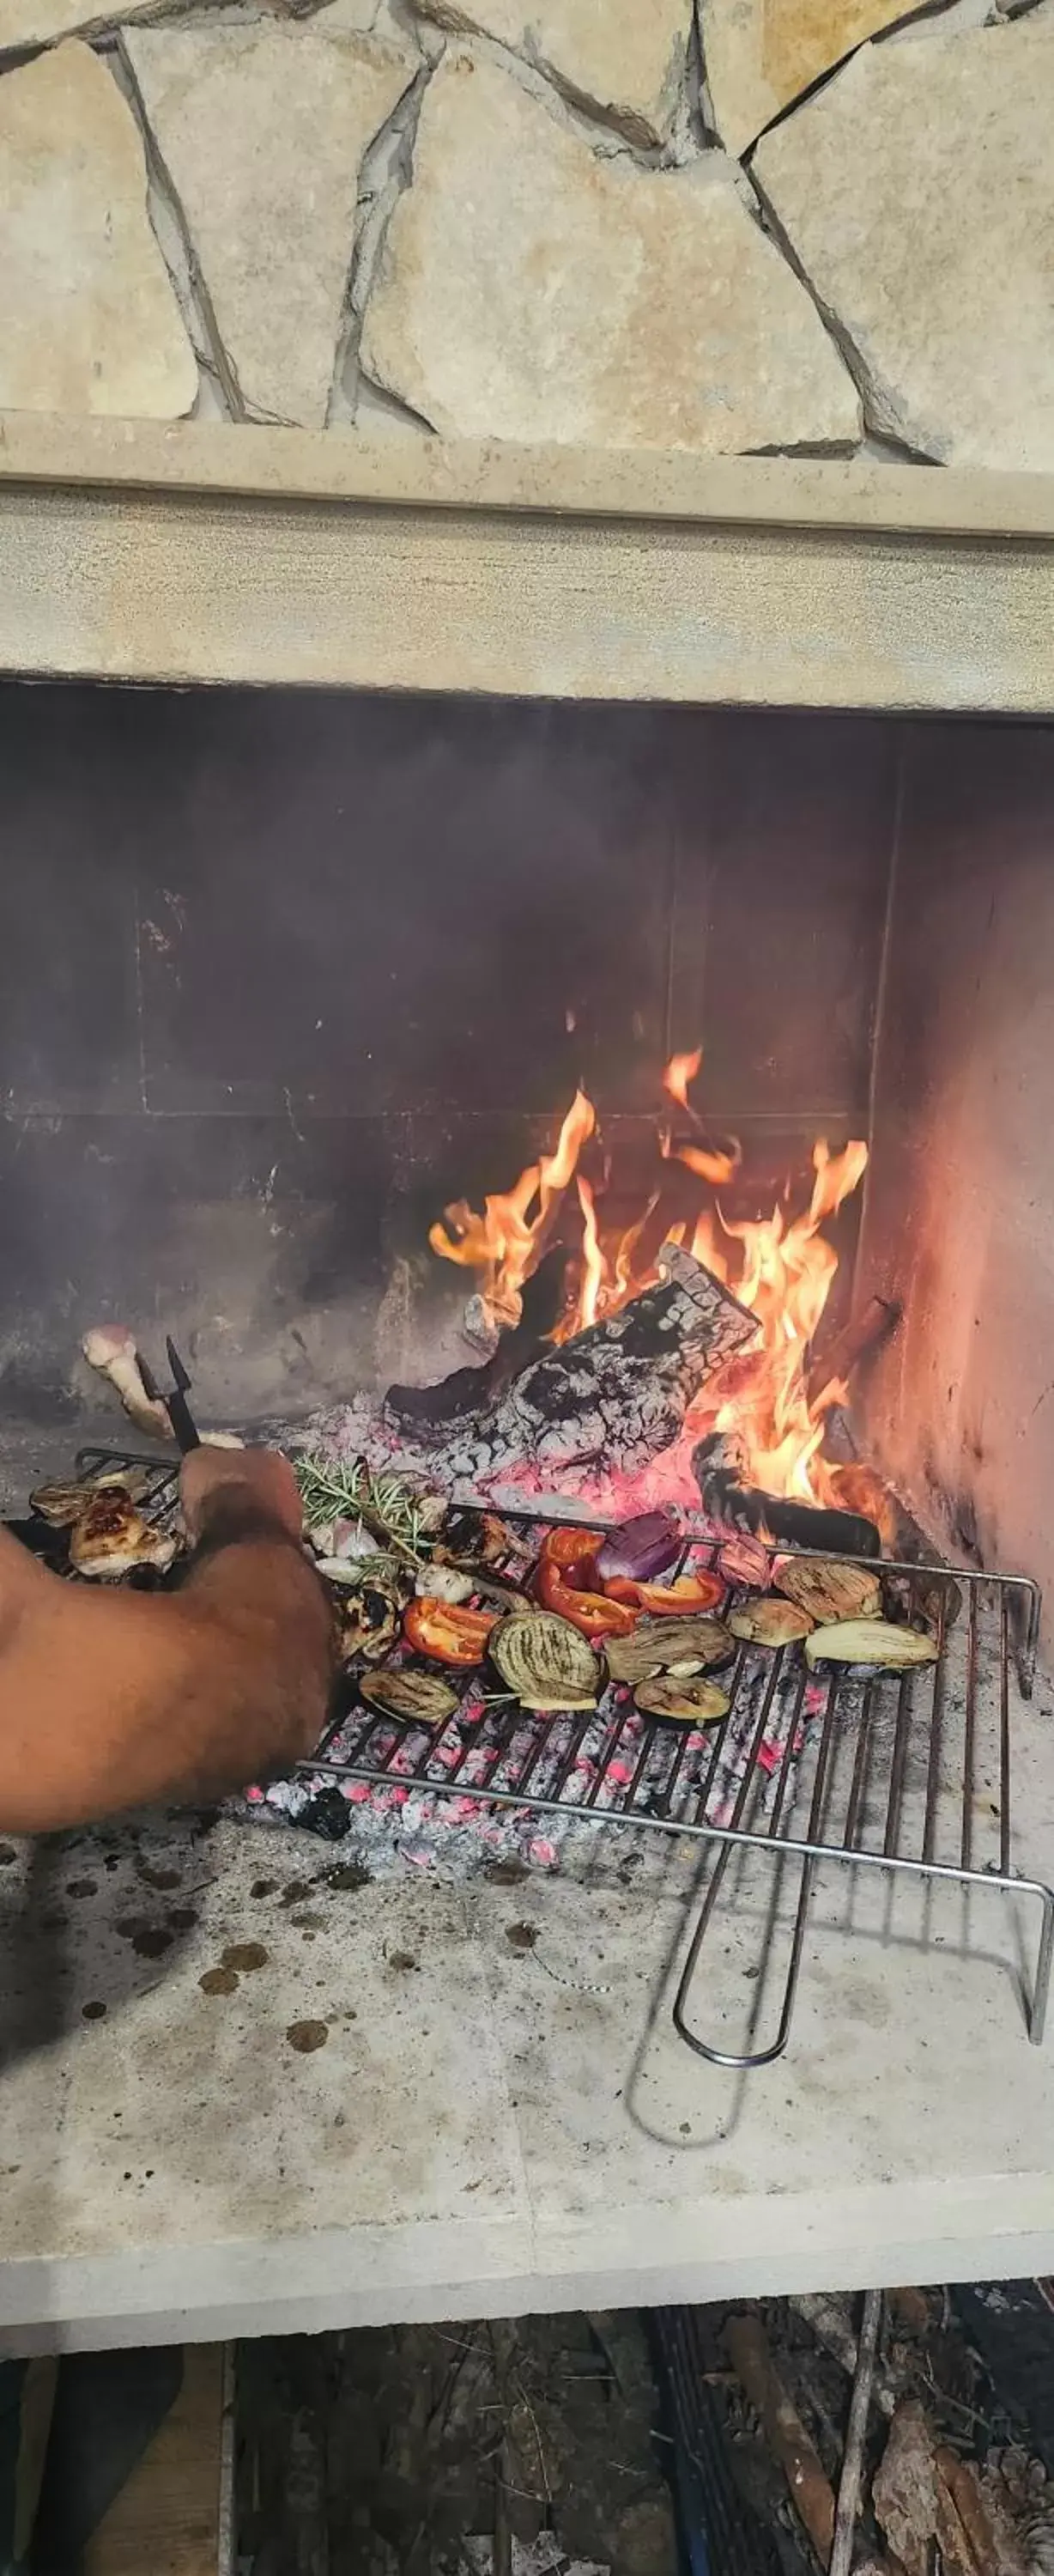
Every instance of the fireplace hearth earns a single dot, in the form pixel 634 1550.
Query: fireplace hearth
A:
pixel 287 977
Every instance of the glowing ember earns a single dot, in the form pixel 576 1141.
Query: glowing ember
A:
pixel 781 1267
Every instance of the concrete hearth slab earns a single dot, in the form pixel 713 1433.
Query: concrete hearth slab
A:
pixel 424 2100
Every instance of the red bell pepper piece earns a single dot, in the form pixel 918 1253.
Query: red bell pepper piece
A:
pixel 448 1633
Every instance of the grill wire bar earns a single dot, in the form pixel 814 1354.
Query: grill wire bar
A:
pixel 908 1775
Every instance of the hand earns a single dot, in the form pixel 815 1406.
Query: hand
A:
pixel 259 1478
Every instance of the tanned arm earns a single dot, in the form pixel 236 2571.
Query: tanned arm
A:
pixel 113 1699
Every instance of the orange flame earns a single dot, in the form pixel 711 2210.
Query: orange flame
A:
pixel 592 1260
pixel 784 1273
pixel 680 1071
pixel 504 1243
pixel 715 1168
pixel 781 1267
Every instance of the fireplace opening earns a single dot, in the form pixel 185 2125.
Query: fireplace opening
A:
pixel 301 989
pixel 592 1112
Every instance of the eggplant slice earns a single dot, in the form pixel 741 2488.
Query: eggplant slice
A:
pixel 403 1692
pixel 546 1663
pixel 770 1622
pixel 870 1641
pixel 657 1643
pixel 829 1592
pixel 684 1703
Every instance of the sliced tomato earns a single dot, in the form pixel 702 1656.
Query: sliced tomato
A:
pixel 448 1633
pixel 675 1600
pixel 590 1612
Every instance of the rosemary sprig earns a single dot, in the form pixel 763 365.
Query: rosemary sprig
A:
pixel 346 1487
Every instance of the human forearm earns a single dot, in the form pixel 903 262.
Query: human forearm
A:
pixel 111 1700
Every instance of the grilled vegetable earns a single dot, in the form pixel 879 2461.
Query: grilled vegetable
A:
pixel 573 1548
pixel 687 1592
pixel 659 1643
pixel 770 1622
pixel 340 1569
pixel 369 1624
pixel 409 1694
pixel 688 1703
pixel 448 1633
pixel 569 1585
pixel 641 1549
pixel 444 1583
pixel 590 1612
pixel 870 1641
pixel 744 1560
pixel 827 1591
pixel 546 1662
pixel 496 1541
pixel 350 1543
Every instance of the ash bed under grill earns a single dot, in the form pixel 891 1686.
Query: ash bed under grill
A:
pixel 908 1773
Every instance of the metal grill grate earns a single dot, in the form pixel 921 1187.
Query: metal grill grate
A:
pixel 908 1773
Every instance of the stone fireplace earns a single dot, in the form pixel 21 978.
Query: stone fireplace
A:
pixel 288 975
pixel 629 228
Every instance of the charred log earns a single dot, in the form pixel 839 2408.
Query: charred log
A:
pixel 719 1468
pixel 613 1396
pixel 466 1390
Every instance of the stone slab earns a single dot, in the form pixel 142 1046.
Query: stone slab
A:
pixel 88 318
pixel 917 191
pixel 531 289
pixel 760 55
pixel 488 2128
pixel 262 129
pixel 625 60
pixel 846 497
pixel 45 22
pixel 176 582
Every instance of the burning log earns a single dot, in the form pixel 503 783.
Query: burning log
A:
pixel 616 1394
pixel 719 1468
pixel 466 1390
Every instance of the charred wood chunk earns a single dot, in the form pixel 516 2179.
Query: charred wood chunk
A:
pixel 616 1393
pixel 719 1468
pixel 467 1389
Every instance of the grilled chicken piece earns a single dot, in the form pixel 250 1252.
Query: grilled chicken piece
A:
pixel 110 1538
pixel 61 1505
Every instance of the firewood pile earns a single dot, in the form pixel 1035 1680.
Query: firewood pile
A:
pixel 500 2448
pixel 911 2434
pixel 870 2436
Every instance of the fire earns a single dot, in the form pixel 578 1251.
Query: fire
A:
pixel 781 1267
pixel 680 1071
pixel 716 1168
pixel 504 1243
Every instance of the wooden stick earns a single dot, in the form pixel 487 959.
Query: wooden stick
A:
pixel 856 2435
pixel 811 2491
pixel 866 1333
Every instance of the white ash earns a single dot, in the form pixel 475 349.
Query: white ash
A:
pixel 611 1400
pixel 456 1833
